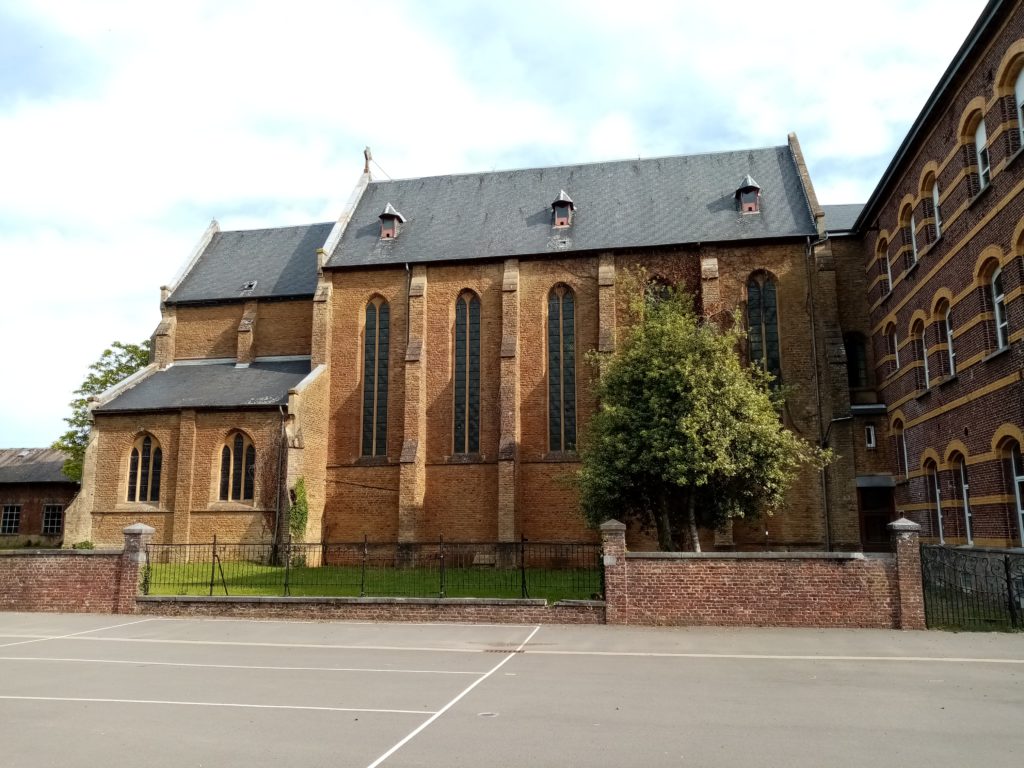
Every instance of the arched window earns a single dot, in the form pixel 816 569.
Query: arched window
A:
pixel 936 209
pixel 908 225
pixel 144 466
pixel 963 487
pixel 883 257
pixel 561 369
pixel 947 329
pixel 902 463
pixel 981 152
pixel 237 468
pixel 467 374
pixel 931 472
pixel 375 378
pixel 998 296
pixel 763 323
pixel 1014 464
pixel 1018 93
pixel 856 360
pixel 920 339
pixel 893 344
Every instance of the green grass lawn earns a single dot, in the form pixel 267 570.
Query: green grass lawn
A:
pixel 245 578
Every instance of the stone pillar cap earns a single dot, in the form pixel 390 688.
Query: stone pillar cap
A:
pixel 903 524
pixel 139 528
pixel 613 525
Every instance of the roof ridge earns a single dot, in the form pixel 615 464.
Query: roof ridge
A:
pixel 582 165
pixel 275 229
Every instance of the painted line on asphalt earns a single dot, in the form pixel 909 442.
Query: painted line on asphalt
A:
pixel 75 634
pixel 425 724
pixel 147 663
pixel 466 624
pixel 216 704
pixel 772 656
pixel 239 643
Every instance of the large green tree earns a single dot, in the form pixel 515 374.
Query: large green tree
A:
pixel 117 362
pixel 685 435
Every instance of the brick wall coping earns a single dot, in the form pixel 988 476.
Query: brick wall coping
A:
pixel 59 552
pixel 745 555
pixel 454 601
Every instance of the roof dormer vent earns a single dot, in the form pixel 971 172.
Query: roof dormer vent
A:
pixel 389 221
pixel 562 207
pixel 248 287
pixel 749 195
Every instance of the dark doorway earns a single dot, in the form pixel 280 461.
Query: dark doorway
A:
pixel 876 512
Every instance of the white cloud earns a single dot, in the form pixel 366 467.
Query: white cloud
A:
pixel 256 113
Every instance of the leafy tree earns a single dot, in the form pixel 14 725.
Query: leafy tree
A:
pixel 116 363
pixel 685 435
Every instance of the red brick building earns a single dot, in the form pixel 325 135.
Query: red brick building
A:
pixel 34 492
pixel 419 362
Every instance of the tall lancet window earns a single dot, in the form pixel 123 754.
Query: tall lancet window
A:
pixel 375 378
pixel 467 374
pixel 561 369
pixel 763 323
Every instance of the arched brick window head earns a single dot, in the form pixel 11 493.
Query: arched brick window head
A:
pixel 467 374
pixel 376 345
pixel 145 464
pixel 561 369
pixel 763 324
pixel 237 468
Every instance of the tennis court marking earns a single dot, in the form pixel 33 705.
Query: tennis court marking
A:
pixel 766 656
pixel 217 704
pixel 148 663
pixel 41 638
pixel 426 724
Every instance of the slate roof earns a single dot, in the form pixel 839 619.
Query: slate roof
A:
pixel 282 261
pixel 627 203
pixel 32 465
pixel 841 218
pixel 211 385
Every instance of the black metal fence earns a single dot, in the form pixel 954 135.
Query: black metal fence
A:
pixel 550 570
pixel 978 589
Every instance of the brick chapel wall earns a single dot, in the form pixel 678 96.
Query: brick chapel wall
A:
pixel 308 435
pixel 283 328
pixel 32 497
pixel 970 412
pixel 208 331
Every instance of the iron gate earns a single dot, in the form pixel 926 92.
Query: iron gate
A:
pixel 977 589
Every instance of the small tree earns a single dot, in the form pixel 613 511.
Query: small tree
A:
pixel 685 435
pixel 116 363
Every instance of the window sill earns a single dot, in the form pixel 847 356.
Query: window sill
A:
pixel 923 394
pixel 139 506
pixel 948 380
pixel 993 355
pixel 913 267
pixel 980 195
pixel 220 505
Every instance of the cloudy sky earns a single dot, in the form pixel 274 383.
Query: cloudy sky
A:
pixel 126 126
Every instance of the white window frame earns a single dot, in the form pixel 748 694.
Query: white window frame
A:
pixel 937 209
pixel 52 509
pixel 924 357
pixel 1018 93
pixel 999 310
pixel 903 451
pixel 9 512
pixel 965 494
pixel 937 490
pixel 894 342
pixel 869 437
pixel 913 239
pixel 950 350
pixel 981 152
pixel 888 270
pixel 1017 468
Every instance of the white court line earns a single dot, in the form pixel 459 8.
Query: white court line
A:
pixel 466 624
pixel 217 704
pixel 241 666
pixel 450 704
pixel 277 645
pixel 767 656
pixel 73 634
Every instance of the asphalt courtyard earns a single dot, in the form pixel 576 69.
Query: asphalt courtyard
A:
pixel 83 690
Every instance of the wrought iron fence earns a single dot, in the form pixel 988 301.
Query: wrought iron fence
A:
pixel 980 589
pixel 550 570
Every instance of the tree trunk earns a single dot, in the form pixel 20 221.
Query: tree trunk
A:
pixel 665 542
pixel 691 519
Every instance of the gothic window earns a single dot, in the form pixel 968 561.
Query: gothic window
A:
pixel 935 495
pixel 237 468
pixel 763 323
pixel 467 374
pixel 856 360
pixel 144 465
pixel 561 369
pixel 375 378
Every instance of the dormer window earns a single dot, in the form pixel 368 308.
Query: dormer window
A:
pixel 749 195
pixel 389 221
pixel 563 207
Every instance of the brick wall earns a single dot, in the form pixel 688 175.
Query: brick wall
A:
pixel 32 497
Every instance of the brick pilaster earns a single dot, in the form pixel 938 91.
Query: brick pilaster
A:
pixel 245 344
pixel 413 475
pixel 616 586
pixel 133 557
pixel 182 510
pixel 910 612
pixel 606 302
pixel 322 324
pixel 508 396
pixel 710 292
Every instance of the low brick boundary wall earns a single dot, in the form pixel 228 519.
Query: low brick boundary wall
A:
pixel 770 589
pixel 460 610
pixel 69 581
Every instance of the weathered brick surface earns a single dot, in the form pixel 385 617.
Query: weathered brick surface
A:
pixel 283 328
pixel 68 581
pixel 207 331
pixel 32 497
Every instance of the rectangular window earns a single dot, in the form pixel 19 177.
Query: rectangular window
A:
pixel 869 436
pixel 999 306
pixel 950 350
pixel 913 239
pixel 10 520
pixel 53 519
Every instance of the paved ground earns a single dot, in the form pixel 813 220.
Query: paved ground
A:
pixel 79 690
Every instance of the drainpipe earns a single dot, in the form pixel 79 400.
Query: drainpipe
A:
pixel 823 474
pixel 280 480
